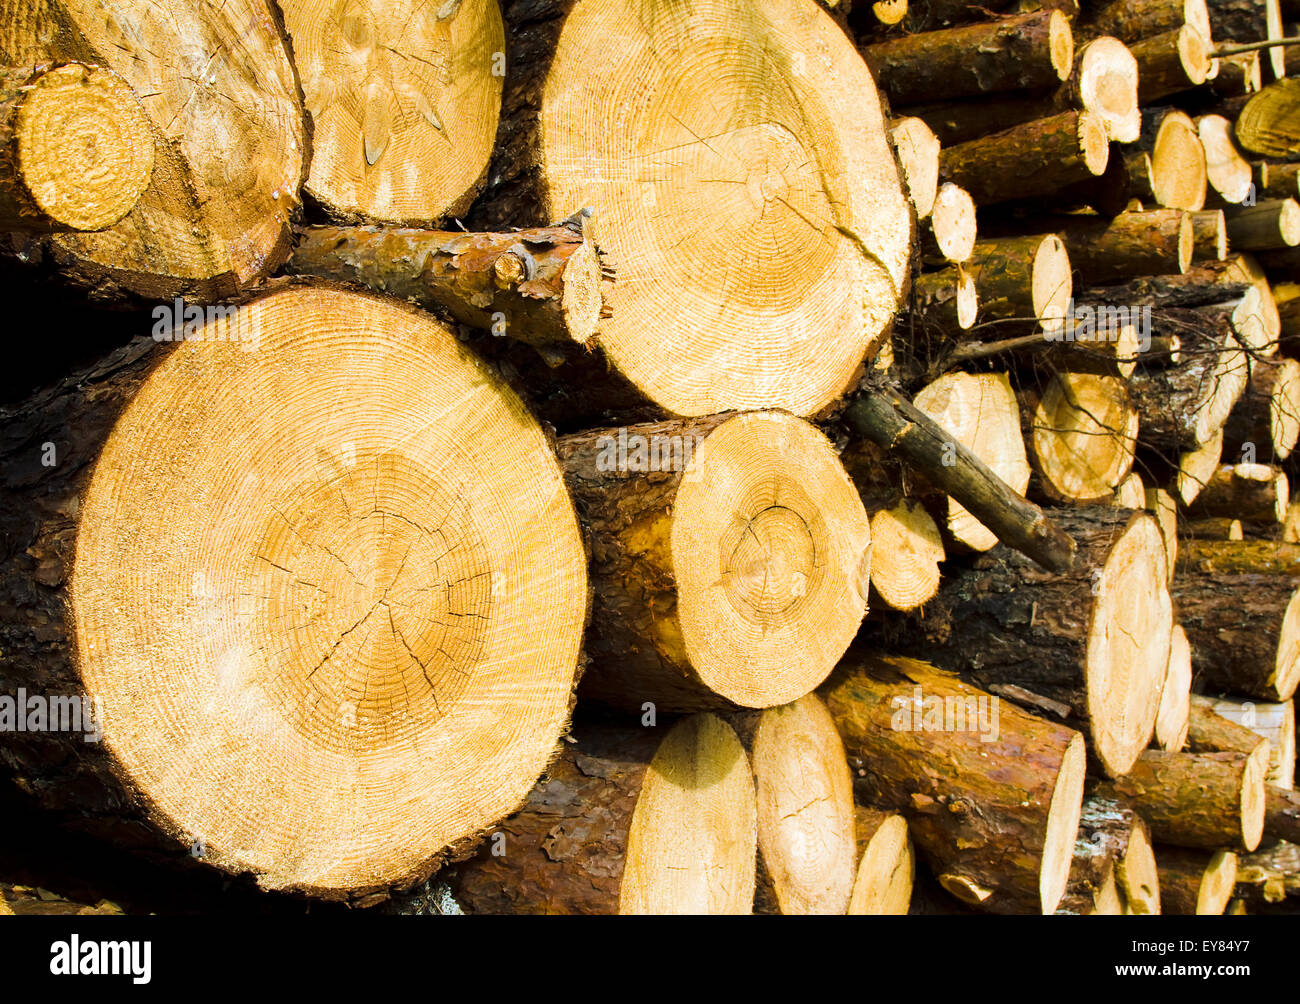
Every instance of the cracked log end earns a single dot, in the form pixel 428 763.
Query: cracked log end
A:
pixel 805 808
pixel 334 565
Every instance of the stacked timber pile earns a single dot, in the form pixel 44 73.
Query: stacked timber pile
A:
pixel 853 451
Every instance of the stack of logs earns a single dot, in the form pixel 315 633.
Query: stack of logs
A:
pixel 844 468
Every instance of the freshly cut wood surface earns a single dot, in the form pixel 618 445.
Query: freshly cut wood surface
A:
pixel 349 578
pixel 1173 719
pixel 739 165
pixel 807 841
pixel 1008 849
pixel 906 549
pixel 1227 171
pixel 980 411
pixel 76 149
pixel 626 821
pixel 404 101
pixel 1194 881
pixel 229 133
pixel 1084 435
pixel 1269 125
pixel 663 503
pixel 917 149
pixel 886 866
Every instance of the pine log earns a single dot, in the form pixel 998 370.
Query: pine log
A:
pixel 1113 847
pixel 1034 159
pixel 980 412
pixel 1164 509
pixel 949 233
pixel 1209 800
pixel 539 286
pixel 760 257
pixel 1132 243
pixel 1269 876
pixel 1278 181
pixel 886 867
pixel 1170 63
pixel 1275 722
pixel 1133 20
pixel 376 580
pixel 1178 171
pixel 1282 814
pixel 1103 82
pixel 1210 732
pixel 1256 492
pixel 1196 467
pixel 671 625
pixel 1023 52
pixel 1240 647
pixel 1196 882
pixel 1083 432
pixel 1265 424
pixel 229 133
pixel 1271 224
pixel 76 149
pixel 1215 528
pixel 1238 75
pixel 887 418
pixel 627 821
pixel 1174 717
pixel 807 842
pixel 1131 493
pixel 1210 235
pixel 1023 282
pixel 1183 406
pixel 996 811
pixel 917 149
pixel 1070 637
pixel 906 549
pixel 1227 172
pixel 1269 124
pixel 946 300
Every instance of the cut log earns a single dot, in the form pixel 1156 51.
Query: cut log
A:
pixel 357 595
pixel 1183 406
pixel 892 422
pixel 1134 243
pixel 917 149
pixel 229 135
pixel 1024 52
pixel 730 560
pixel 1133 20
pixel 1103 82
pixel 1255 492
pixel 1275 722
pixel 807 844
pixel 1269 876
pixel 1113 847
pixel 949 233
pixel 1160 504
pixel 1210 235
pixel 996 812
pixel 404 99
pixel 906 549
pixel 1196 467
pixel 1196 882
pixel 1171 63
pixel 1210 732
pixel 1095 639
pixel 887 865
pixel 1269 125
pixel 1173 719
pixel 1226 170
pixel 945 300
pixel 1208 800
pixel 1034 159
pixel 1238 75
pixel 1278 181
pixel 630 822
pixel 1178 172
pixel 1282 814
pixel 1131 493
pixel 540 286
pixel 1215 528
pixel 980 412
pixel 1265 424
pixel 1083 434
pixel 889 12
pixel 757 219
pixel 76 149
pixel 1024 282
pixel 1250 648
pixel 1273 223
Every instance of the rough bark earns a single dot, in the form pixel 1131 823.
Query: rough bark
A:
pixel 1110 250
pixel 1194 881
